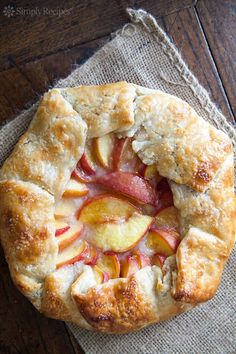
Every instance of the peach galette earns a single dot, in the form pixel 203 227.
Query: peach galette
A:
pixel 116 213
pixel 117 207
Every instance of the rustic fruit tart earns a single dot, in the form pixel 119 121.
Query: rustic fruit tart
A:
pixel 117 207
pixel 116 213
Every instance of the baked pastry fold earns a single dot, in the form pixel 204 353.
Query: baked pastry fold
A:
pixel 195 157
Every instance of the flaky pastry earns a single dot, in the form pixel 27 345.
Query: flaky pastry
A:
pixel 193 157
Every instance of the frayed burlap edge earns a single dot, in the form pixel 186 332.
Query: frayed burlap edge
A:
pixel 149 24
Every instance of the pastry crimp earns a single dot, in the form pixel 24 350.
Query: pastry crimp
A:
pixel 195 158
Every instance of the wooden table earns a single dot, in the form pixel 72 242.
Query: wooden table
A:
pixel 42 42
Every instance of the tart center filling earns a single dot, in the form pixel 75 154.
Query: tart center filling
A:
pixel 116 214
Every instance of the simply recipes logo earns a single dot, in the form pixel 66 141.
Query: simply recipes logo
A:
pixel 11 11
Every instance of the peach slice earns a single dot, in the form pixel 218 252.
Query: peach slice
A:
pixel 130 185
pixel 158 260
pixel 68 237
pixel 121 236
pixel 103 147
pixel 149 209
pixel 118 152
pixel 132 263
pixel 61 227
pixel 72 254
pixel 81 176
pixel 87 160
pixel 163 241
pixel 64 208
pixel 92 256
pixel 124 157
pixel 75 189
pixel 100 275
pixel 167 217
pixel 129 266
pixel 105 208
pixel 87 164
pixel 165 200
pixel 151 173
pixel 165 196
pixel 110 264
pixel 142 259
pixel 141 168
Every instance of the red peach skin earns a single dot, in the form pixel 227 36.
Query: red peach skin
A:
pixel 130 185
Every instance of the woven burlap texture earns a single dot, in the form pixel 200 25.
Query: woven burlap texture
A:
pixel 142 53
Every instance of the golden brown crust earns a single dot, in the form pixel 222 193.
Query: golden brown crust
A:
pixel 48 152
pixel 116 309
pixel 201 258
pixel 124 305
pixel 192 154
pixel 208 223
pixel 28 286
pixel 56 298
pixel 104 108
pixel 27 235
pixel 187 149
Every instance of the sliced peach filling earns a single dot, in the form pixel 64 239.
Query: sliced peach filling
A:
pixel 116 214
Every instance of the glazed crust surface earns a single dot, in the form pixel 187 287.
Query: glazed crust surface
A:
pixel 196 158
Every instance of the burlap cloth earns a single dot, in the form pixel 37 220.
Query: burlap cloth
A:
pixel 142 53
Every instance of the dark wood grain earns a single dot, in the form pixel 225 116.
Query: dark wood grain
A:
pixel 183 27
pixel 25 37
pixel 23 84
pixel 218 19
pixel 14 90
pixel 22 328
pixel 76 347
